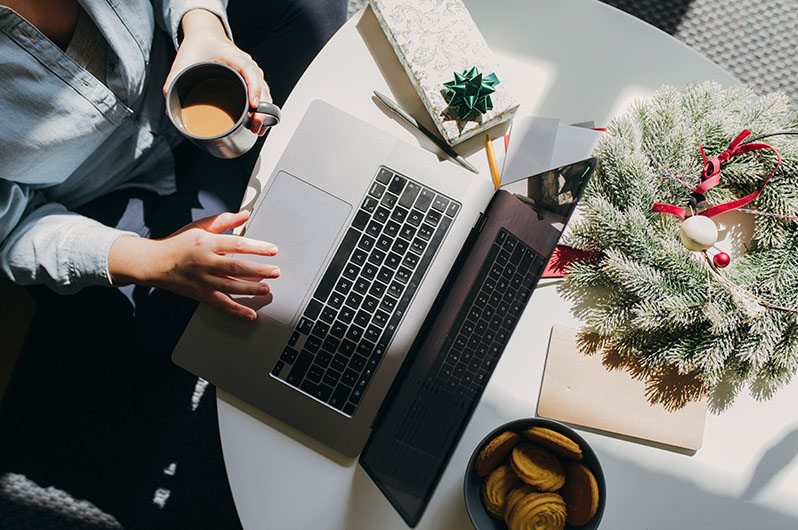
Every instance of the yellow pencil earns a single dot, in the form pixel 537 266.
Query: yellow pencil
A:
pixel 494 171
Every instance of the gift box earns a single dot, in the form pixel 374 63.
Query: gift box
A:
pixel 449 63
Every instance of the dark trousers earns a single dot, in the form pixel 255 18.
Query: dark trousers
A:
pixel 95 408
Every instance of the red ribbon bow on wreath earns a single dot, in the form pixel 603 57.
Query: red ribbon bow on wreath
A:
pixel 710 178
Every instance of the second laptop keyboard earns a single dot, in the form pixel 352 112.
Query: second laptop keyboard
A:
pixel 347 326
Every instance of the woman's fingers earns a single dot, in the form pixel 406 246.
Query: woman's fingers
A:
pixel 229 285
pixel 237 268
pixel 229 244
pixel 223 222
pixel 227 304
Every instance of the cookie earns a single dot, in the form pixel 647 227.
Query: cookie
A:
pixel 514 496
pixel 555 442
pixel 499 483
pixel 538 511
pixel 537 467
pixel 581 493
pixel 496 451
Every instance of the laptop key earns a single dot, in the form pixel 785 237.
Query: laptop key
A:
pixel 330 344
pixel 336 300
pixel 313 344
pixel 370 304
pixel 300 367
pixel 365 348
pixel 382 214
pixel 343 286
pixel 374 228
pixel 362 318
pixel 339 363
pixel 440 203
pixel 372 333
pixel 393 259
pixel 409 194
pixel 451 211
pixel 353 300
pixel 323 392
pixel 380 318
pixel 338 399
pixel 388 304
pixel 320 329
pixel 313 309
pixel 389 200
pixel 359 256
pixel 369 203
pixel 331 377
pixel 361 219
pixel 305 325
pixel 410 261
pixel 396 185
pixel 294 338
pixel 384 242
pixel 349 409
pixel 377 289
pixel 433 216
pixel 407 231
pixel 323 358
pixel 425 199
pixel 400 246
pixel 357 363
pixel 369 271
pixel 278 368
pixel 349 378
pixel 315 373
pixel 392 228
pixel 376 256
pixel 396 289
pixel 289 355
pixel 425 232
pixel 361 285
pixel 403 274
pixel 399 214
pixel 415 217
pixel 346 348
pixel 355 333
pixel 338 329
pixel 377 190
pixel 384 175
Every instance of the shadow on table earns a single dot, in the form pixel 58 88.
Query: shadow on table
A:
pixel 777 458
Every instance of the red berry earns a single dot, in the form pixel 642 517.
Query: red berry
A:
pixel 721 259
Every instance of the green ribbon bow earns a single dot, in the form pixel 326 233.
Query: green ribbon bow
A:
pixel 470 92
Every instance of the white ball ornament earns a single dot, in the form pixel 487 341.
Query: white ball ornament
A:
pixel 698 232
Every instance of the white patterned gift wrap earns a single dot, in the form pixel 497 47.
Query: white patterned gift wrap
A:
pixel 433 39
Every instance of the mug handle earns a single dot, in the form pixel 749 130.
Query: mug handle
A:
pixel 271 110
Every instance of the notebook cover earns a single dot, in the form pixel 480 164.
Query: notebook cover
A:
pixel 578 389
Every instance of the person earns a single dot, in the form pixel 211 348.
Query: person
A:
pixel 117 228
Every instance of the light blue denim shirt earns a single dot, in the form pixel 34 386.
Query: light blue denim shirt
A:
pixel 66 138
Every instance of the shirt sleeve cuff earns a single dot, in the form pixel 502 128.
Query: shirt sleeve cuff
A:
pixel 88 259
pixel 175 10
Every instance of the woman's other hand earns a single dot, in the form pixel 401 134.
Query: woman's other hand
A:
pixel 204 39
pixel 194 262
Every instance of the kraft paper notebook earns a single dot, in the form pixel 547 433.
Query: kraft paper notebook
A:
pixel 580 390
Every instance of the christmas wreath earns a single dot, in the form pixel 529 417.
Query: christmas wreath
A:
pixel 651 299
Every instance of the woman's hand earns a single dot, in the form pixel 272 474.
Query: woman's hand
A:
pixel 193 262
pixel 204 39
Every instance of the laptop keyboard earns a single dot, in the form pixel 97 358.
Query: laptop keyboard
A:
pixel 478 337
pixel 348 324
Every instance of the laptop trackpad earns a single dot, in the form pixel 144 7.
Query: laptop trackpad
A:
pixel 303 221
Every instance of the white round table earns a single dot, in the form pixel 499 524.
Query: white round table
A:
pixel 576 60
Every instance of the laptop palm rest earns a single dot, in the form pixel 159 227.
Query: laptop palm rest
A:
pixel 303 237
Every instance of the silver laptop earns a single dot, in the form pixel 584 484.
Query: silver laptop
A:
pixel 367 228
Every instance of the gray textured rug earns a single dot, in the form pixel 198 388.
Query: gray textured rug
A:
pixel 757 42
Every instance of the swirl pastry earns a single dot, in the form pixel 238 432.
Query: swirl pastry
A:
pixel 496 451
pixel 581 494
pixel 496 487
pixel 555 442
pixel 537 467
pixel 538 511
pixel 514 496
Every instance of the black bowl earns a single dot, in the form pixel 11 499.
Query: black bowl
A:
pixel 473 482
